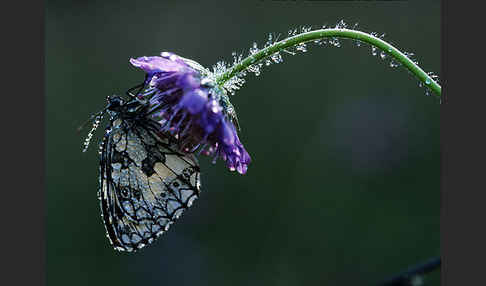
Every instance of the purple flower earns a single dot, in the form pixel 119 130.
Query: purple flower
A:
pixel 189 107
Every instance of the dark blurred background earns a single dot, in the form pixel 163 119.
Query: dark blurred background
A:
pixel 344 184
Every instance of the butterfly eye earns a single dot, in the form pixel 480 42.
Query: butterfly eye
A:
pixel 114 103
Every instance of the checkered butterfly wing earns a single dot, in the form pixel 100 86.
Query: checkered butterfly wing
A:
pixel 145 184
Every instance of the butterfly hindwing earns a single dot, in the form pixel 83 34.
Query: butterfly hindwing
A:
pixel 145 183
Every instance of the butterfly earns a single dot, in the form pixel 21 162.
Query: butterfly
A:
pixel 146 182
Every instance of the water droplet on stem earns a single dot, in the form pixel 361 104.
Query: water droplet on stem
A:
pixel 374 51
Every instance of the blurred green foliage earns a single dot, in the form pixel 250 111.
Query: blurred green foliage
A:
pixel 344 184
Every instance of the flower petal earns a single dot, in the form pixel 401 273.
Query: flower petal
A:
pixel 153 65
pixel 190 109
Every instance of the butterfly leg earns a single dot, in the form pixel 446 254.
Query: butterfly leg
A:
pixel 139 86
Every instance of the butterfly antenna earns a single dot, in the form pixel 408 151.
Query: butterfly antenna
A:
pixel 98 117
pixel 139 86
pixel 87 121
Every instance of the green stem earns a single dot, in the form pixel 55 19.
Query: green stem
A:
pixel 332 33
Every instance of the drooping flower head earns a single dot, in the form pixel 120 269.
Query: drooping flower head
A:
pixel 188 105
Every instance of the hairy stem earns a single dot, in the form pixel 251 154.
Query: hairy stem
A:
pixel 332 33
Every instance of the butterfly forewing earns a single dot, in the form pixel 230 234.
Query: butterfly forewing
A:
pixel 146 184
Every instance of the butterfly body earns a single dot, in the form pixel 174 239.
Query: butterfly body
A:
pixel 146 183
